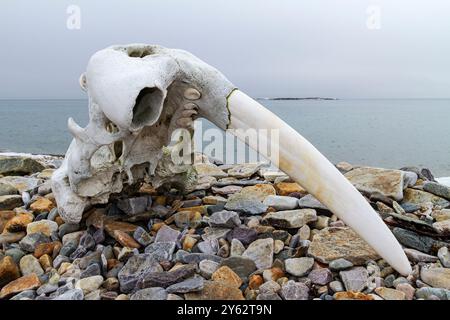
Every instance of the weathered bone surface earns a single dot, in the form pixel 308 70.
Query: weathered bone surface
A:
pixel 139 94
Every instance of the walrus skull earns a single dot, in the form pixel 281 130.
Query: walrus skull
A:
pixel 139 94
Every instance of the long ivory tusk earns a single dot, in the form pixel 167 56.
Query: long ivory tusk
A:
pixel 306 165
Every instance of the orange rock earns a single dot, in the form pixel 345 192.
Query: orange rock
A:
pixel 276 273
pixel 28 282
pixel 111 226
pixel 46 262
pixel 45 248
pixel 258 191
pixel 286 188
pixel 19 222
pixel 213 290
pixel 42 205
pixel 125 239
pixel 157 226
pixel 227 276
pixel 201 209
pixel 5 216
pixel 351 295
pixel 189 242
pixel 161 200
pixel 147 189
pixel 8 271
pixel 255 281
pixel 111 263
pixel 59 220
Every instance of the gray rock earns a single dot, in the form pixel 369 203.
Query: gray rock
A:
pixel 340 264
pixel 22 184
pixel 29 264
pixel 268 296
pixel 67 228
pixel 92 270
pixel 290 218
pixel 7 189
pixel 224 219
pixel 437 189
pixel 46 289
pixel 244 170
pixel 187 257
pixel 444 257
pixel 292 290
pixel 10 202
pixel 207 268
pixel 135 269
pixel 269 286
pixel 167 234
pixel 189 285
pixel 19 165
pixel 68 248
pixel 236 248
pixel 355 279
pixel 161 251
pixel 309 201
pixel 165 279
pixel 261 252
pixel 436 277
pixel 419 242
pixel 150 294
pixel 336 286
pixel 142 236
pixel 242 266
pixel 378 182
pixel 25 295
pixel 320 276
pixel 72 294
pixel 137 205
pixel 210 246
pixel 426 293
pixel 244 235
pixel 417 256
pixel 59 260
pixel 242 203
pixel 29 242
pixel 15 253
pixel 281 202
pixel 299 267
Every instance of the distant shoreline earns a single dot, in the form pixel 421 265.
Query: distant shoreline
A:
pixel 293 98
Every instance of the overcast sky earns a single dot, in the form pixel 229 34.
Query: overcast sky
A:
pixel 266 48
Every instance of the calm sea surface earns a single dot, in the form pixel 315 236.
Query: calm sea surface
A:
pixel 385 133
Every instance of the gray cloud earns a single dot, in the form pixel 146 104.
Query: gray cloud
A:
pixel 267 48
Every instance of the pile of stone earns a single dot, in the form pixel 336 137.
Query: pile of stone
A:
pixel 246 232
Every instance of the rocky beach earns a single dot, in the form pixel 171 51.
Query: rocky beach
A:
pixel 246 232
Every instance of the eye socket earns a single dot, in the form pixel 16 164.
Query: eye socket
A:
pixel 136 52
pixel 147 108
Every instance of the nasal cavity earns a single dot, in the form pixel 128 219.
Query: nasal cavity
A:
pixel 147 108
